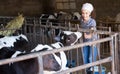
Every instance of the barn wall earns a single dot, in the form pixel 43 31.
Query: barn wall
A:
pixel 36 7
pixel 27 7
pixel 48 6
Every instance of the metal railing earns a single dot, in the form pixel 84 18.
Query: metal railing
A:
pixel 39 55
pixel 35 31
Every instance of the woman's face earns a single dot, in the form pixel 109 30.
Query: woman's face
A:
pixel 85 15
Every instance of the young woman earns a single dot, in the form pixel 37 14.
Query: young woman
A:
pixel 88 23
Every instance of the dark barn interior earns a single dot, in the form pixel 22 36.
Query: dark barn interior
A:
pixel 106 14
pixel 36 7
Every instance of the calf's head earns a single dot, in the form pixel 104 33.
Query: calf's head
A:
pixel 68 37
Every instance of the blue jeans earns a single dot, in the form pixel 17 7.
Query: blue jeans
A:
pixel 87 54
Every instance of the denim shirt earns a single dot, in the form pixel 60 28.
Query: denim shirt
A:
pixel 87 25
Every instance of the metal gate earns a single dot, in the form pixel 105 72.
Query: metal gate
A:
pixel 36 33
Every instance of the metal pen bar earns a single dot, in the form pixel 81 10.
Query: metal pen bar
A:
pixel 109 59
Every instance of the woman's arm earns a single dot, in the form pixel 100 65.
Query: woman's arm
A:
pixel 92 26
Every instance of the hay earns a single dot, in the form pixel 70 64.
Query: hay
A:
pixel 12 26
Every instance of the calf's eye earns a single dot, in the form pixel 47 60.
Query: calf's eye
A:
pixel 4 42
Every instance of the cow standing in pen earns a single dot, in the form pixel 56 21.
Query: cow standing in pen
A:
pixel 52 63
pixel 66 38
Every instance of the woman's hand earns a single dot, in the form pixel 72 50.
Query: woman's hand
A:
pixel 87 36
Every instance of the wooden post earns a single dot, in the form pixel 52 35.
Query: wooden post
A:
pixel 112 54
pixel 40 64
pixel 116 53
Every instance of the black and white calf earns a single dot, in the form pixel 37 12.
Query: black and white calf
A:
pixel 60 57
pixel 56 19
pixel 29 66
pixel 52 63
pixel 66 38
pixel 46 18
pixel 19 42
pixel 76 16
pixel 49 19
